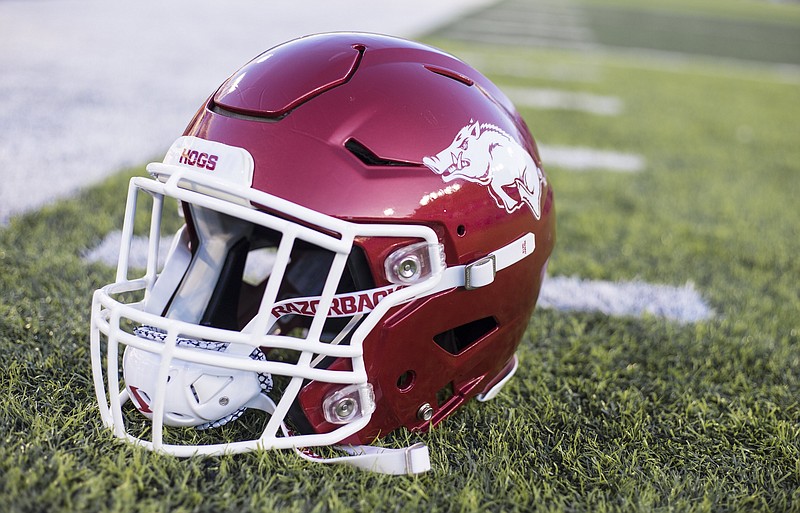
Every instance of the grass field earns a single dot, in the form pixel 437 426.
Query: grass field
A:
pixel 605 413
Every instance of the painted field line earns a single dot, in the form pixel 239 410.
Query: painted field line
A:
pixel 682 304
pixel 107 251
pixel 578 158
pixel 555 99
pixel 257 267
pixel 624 299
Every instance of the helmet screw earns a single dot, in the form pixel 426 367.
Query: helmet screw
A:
pixel 223 401
pixel 345 408
pixel 425 412
pixel 408 268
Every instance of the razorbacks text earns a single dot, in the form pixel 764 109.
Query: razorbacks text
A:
pixel 342 305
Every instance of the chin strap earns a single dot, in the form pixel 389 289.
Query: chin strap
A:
pixel 414 459
pixel 500 380
pixel 482 272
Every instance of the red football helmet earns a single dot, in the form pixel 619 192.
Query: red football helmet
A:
pixel 367 226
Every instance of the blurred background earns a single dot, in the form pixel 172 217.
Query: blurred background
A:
pixel 91 86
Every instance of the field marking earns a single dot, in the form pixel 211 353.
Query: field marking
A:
pixel 625 299
pixel 619 299
pixel 577 158
pixel 107 252
pixel 549 23
pixel 557 99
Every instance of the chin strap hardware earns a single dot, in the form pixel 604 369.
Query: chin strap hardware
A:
pixel 480 273
pixel 414 459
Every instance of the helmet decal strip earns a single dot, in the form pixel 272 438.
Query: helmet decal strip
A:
pixel 342 305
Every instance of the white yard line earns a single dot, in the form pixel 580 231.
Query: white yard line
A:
pixel 107 251
pixel 557 99
pixel 682 304
pixel 589 159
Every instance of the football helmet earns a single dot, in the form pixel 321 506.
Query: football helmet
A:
pixel 365 229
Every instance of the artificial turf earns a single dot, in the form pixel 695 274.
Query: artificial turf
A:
pixel 605 413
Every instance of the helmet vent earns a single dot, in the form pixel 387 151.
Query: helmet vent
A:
pixel 222 111
pixel 369 158
pixel 457 340
pixel 458 77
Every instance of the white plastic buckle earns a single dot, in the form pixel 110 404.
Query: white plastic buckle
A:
pixel 480 273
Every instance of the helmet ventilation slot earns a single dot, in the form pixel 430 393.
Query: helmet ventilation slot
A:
pixel 449 73
pixel 457 340
pixel 369 158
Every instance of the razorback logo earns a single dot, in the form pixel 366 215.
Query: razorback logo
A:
pixel 343 305
pixel 485 154
pixel 198 159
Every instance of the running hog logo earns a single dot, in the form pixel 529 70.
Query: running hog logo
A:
pixel 485 154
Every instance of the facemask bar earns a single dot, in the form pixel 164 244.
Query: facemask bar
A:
pixel 334 235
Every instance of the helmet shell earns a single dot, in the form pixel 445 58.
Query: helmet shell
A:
pixel 348 124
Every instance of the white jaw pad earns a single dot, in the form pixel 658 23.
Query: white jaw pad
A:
pixel 196 394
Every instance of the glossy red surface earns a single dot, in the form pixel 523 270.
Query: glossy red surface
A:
pixel 296 107
pixel 257 88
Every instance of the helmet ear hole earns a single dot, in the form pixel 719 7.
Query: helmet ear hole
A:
pixel 406 380
pixel 461 230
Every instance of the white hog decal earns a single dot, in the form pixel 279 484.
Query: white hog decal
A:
pixel 487 155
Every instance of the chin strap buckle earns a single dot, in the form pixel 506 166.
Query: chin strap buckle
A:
pixel 483 271
pixel 480 273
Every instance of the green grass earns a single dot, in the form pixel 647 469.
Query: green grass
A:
pixel 605 414
pixel 756 10
pixel 648 27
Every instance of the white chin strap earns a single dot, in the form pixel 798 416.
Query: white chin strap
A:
pixel 414 459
